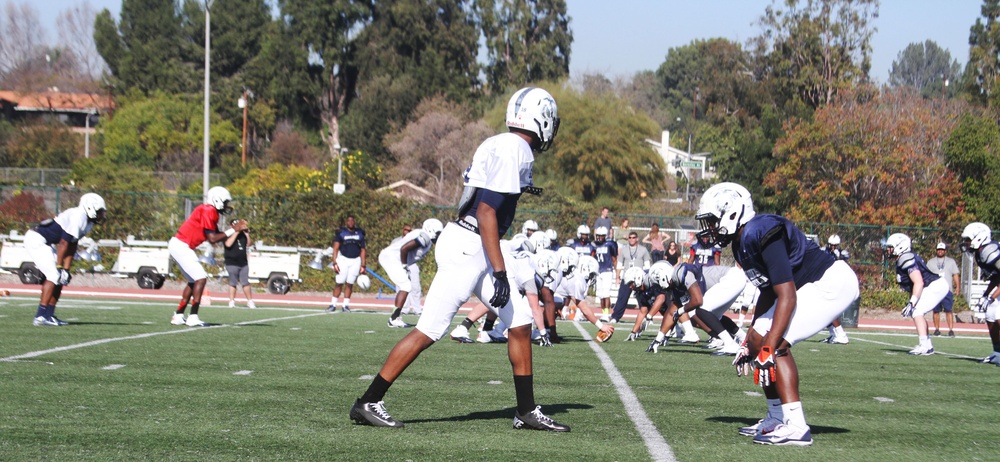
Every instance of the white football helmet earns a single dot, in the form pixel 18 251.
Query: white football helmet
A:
pixel 723 209
pixel 525 244
pixel 552 234
pixel 661 273
pixel 363 282
pixel 601 234
pixel 975 235
pixel 833 240
pixel 582 230
pixel 529 227
pixel 568 260
pixel 897 244
pixel 541 241
pixel 94 205
pixel 634 276
pixel 433 227
pixel 588 268
pixel 534 110
pixel 546 263
pixel 219 198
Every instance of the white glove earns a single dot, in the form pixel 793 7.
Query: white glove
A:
pixel 984 304
pixel 64 277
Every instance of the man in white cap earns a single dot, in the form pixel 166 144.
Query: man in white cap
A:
pixel 947 268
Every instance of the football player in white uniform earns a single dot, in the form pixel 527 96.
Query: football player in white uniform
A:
pixel 787 267
pixel 977 239
pixel 837 335
pixel 575 287
pixel 400 255
pixel 926 288
pixel 52 245
pixel 649 296
pixel 474 262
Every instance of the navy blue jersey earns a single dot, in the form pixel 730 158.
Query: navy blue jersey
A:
pixel 605 253
pixel 351 242
pixel 647 296
pixel 704 254
pixel 808 262
pixel 686 274
pixel 582 248
pixel 988 259
pixel 502 203
pixel 909 262
pixel 52 232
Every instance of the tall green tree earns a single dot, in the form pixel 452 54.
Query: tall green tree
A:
pixel 324 34
pixel 812 49
pixel 972 152
pixel 144 48
pixel 982 72
pixel 926 67
pixel 526 41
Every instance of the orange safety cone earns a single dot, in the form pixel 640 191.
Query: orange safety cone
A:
pixel 206 297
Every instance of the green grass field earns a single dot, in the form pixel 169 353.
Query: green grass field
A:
pixel 276 384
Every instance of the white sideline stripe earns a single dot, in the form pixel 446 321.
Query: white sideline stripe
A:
pixel 146 335
pixel 936 351
pixel 659 449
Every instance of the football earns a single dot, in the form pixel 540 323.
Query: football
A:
pixel 363 282
pixel 602 337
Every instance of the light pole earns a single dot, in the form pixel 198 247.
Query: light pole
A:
pixel 244 103
pixel 86 137
pixel 339 188
pixel 208 47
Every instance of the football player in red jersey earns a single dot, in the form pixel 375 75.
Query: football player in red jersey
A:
pixel 201 226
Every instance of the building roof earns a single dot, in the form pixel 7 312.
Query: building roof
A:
pixel 55 101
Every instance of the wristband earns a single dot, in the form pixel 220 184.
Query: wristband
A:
pixel 230 232
pixel 599 324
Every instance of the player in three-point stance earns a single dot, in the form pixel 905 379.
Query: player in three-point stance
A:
pixel 787 267
pixel 201 226
pixel 473 261
pixel 52 245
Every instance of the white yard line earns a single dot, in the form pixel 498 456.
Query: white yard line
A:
pixel 659 449
pixel 937 351
pixel 34 354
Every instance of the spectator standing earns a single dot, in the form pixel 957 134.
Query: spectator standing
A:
pixel 623 230
pixel 673 254
pixel 201 226
pixel 655 241
pixel 632 255
pixel 472 261
pixel 605 221
pixel 237 266
pixel 349 254
pixel 946 267
pixel 52 246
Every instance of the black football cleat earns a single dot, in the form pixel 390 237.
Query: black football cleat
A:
pixel 535 420
pixel 373 414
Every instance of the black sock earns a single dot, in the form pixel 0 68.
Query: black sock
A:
pixel 194 308
pixel 181 307
pixel 395 313
pixel 467 323
pixel 996 346
pixel 524 388
pixel 376 391
pixel 552 331
pixel 730 326
pixel 488 325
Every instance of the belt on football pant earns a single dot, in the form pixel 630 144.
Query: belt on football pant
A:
pixel 466 225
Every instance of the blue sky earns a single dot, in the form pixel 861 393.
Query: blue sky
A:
pixel 626 36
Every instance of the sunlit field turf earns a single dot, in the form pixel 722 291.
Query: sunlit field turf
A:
pixel 120 383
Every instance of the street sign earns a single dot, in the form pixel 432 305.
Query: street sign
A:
pixel 692 164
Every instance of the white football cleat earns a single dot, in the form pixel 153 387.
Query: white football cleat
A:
pixel 715 343
pixel 398 322
pixel 194 321
pixel 43 321
pixel 232 303
pixel 727 350
pixel 251 304
pixel 921 350
pixel 763 426
pixel 786 435
pixel 484 337
pixel 177 319
pixel 690 339
pixel 840 340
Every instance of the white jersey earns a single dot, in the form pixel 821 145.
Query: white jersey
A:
pixel 424 244
pixel 506 173
pixel 574 287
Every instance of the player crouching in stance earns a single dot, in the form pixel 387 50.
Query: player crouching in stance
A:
pixel 402 253
pixel 977 239
pixel 649 296
pixel 52 245
pixel 788 268
pixel 707 292
pixel 926 288
pixel 473 261
pixel 201 226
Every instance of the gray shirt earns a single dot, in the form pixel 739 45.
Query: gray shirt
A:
pixel 637 256
pixel 944 267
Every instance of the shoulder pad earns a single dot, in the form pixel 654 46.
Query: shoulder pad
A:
pixel 906 260
pixel 990 253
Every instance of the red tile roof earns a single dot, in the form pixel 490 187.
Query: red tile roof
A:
pixel 58 101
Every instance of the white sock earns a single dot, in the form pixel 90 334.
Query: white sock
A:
pixel 688 329
pixel 774 409
pixel 660 336
pixel 839 331
pixel 727 340
pixel 794 415
pixel 925 341
pixel 347 302
pixel 334 301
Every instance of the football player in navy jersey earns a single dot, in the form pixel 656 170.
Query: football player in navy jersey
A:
pixel 649 296
pixel 349 254
pixel 786 267
pixel 705 254
pixel 926 288
pixel 977 239
pixel 606 252
pixel 582 243
pixel 472 261
pixel 52 245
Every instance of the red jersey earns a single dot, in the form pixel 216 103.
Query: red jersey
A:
pixel 192 232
